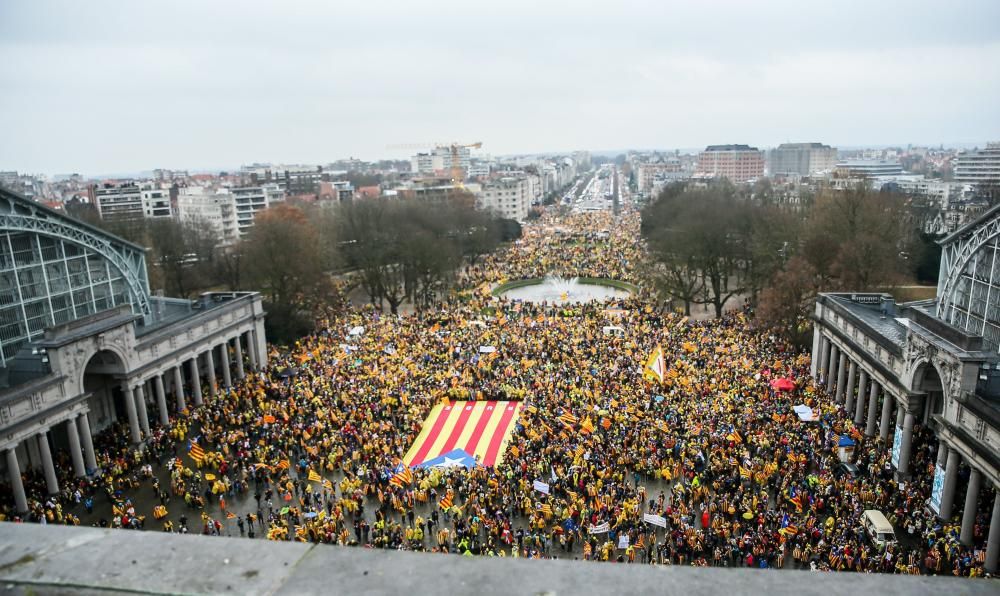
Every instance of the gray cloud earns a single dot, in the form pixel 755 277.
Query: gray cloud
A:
pixel 122 86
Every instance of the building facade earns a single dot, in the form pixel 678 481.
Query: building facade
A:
pixel 118 201
pixel 802 159
pixel 649 173
pixel 86 344
pixel 978 166
pixel 251 200
pixel 738 163
pixel 215 207
pixel 868 168
pixel 509 197
pixel 932 364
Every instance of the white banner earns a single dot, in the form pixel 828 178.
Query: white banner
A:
pixel 541 487
pixel 623 541
pixel 656 520
pixel 601 529
pixel 937 489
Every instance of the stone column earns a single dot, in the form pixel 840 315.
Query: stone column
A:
pixel 227 374
pixel 862 385
pixel 950 479
pixel 883 429
pixel 824 356
pixel 50 469
pixel 252 348
pixel 16 486
pixel 847 392
pixel 179 387
pixel 993 540
pixel 210 367
pixel 906 443
pixel 195 382
pixel 831 373
pixel 133 418
pixel 240 372
pixel 161 400
pixel 841 375
pixel 75 451
pixel 140 401
pixel 260 340
pixel 859 411
pixel 89 455
pixel 971 500
pixel 872 409
pixel 814 355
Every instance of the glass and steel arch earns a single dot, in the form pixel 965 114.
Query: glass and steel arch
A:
pixel 55 269
pixel 969 282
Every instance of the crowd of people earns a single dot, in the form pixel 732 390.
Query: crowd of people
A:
pixel 708 467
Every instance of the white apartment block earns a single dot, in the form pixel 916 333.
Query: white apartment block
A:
pixel 251 200
pixel 118 201
pixel 156 202
pixel 216 207
pixel 648 173
pixel 440 160
pixel 508 197
pixel 979 165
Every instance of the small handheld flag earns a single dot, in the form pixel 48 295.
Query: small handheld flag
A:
pixel 656 366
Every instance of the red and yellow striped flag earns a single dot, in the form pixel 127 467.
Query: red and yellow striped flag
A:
pixel 197 453
pixel 568 419
pixel 480 428
pixel 314 477
pixel 446 502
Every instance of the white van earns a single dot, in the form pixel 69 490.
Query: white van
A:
pixel 878 527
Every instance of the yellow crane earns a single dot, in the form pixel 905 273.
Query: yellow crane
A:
pixel 457 174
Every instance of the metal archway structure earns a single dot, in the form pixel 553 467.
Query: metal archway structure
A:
pixel 18 214
pixel 957 250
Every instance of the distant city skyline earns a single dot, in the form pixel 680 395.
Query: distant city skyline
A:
pixel 106 88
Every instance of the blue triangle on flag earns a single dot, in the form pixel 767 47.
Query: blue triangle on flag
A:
pixel 455 457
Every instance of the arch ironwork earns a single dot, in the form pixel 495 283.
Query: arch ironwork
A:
pixel 956 253
pixel 18 214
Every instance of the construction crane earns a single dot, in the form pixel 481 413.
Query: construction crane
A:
pixel 457 174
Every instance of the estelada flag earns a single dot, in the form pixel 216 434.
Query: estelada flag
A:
pixel 314 477
pixel 656 366
pixel 481 428
pixel 445 502
pixel 230 515
pixel 587 426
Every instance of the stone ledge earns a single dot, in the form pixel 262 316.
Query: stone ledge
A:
pixel 66 560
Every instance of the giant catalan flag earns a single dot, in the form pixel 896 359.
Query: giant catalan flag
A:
pixel 480 428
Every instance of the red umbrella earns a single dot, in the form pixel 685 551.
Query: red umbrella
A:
pixel 783 384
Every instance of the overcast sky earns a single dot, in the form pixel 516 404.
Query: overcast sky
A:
pixel 105 87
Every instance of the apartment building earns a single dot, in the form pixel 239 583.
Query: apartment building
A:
pixel 803 159
pixel 979 165
pixel 648 173
pixel 216 207
pixel 251 200
pixel 507 196
pixel 738 163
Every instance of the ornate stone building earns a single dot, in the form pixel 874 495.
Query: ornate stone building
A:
pixel 934 363
pixel 85 344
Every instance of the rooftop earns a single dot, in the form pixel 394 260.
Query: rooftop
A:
pixel 69 560
pixel 730 148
